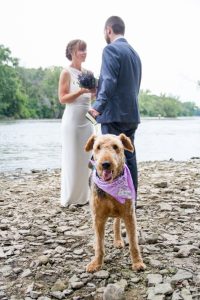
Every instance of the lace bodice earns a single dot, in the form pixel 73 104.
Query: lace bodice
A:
pixel 84 99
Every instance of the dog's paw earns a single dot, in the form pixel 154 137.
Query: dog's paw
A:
pixel 118 244
pixel 139 266
pixel 93 266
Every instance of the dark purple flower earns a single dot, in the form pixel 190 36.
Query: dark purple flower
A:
pixel 87 80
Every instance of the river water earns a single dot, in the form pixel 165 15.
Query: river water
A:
pixel 36 144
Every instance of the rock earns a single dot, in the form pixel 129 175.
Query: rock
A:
pixel 165 207
pixel 155 263
pixel 161 184
pixel 185 294
pixel 59 285
pixel 100 290
pixel 112 292
pixel 35 294
pixel 60 250
pixel 26 273
pixel 6 270
pixel 197 280
pixel 3 226
pixel 186 250
pixel 152 296
pixel 58 295
pixel 101 274
pixel 197 191
pixel 67 292
pixel 2 295
pixel 188 205
pixel 43 260
pixel 156 297
pixel 180 276
pixel 77 285
pixel 135 279
pixel 2 254
pixel 176 295
pixel 30 288
pixel 153 279
pixel 78 251
pixel 122 284
pixel 152 239
pixel 63 228
pixel 163 288
pixel 74 278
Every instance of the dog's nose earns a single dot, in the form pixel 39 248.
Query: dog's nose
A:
pixel 106 165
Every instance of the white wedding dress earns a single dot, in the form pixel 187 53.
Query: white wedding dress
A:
pixel 75 131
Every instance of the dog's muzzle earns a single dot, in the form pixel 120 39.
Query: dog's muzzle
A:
pixel 107 172
pixel 106 165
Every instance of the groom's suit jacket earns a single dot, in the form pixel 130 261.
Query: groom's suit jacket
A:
pixel 119 84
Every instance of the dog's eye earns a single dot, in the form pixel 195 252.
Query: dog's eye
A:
pixel 98 147
pixel 115 147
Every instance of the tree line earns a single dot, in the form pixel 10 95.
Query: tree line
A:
pixel 33 93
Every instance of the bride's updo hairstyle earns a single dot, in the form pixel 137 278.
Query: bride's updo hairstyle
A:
pixel 75 45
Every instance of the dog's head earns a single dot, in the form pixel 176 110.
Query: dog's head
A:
pixel 108 154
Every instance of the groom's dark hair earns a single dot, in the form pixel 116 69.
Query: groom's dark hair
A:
pixel 117 24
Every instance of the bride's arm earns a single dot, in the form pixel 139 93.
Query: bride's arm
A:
pixel 64 95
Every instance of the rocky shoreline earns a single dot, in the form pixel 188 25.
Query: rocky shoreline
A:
pixel 44 248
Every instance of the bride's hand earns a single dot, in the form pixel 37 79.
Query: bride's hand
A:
pixel 84 90
pixel 93 91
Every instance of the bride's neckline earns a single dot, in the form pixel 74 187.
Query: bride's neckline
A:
pixel 77 70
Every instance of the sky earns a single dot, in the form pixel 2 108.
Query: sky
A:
pixel 165 33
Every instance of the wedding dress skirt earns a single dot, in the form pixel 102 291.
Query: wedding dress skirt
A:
pixel 75 131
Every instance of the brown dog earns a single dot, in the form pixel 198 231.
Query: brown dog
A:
pixel 109 159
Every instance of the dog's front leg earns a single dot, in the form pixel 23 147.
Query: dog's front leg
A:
pixel 99 226
pixel 118 241
pixel 131 228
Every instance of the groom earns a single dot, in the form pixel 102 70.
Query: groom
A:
pixel 116 106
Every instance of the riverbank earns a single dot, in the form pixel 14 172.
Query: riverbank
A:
pixel 44 248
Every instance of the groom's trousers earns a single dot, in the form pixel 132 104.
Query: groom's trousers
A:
pixel 129 129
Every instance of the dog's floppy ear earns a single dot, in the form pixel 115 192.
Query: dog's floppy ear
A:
pixel 126 142
pixel 90 143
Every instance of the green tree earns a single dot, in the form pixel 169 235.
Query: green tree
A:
pixel 165 106
pixel 31 81
pixel 12 100
pixel 41 88
pixel 50 90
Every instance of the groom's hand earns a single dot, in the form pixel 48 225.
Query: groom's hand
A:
pixel 94 112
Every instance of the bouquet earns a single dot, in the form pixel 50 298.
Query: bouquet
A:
pixel 87 80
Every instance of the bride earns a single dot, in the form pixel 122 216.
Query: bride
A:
pixel 75 128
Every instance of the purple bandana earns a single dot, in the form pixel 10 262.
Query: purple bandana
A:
pixel 121 188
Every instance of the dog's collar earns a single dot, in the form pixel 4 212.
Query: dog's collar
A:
pixel 121 188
